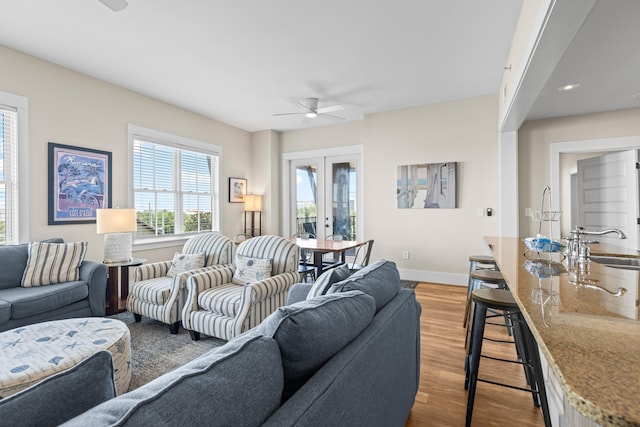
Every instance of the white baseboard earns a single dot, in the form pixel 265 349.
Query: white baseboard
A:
pixel 435 277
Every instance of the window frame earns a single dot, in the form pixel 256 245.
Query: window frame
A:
pixel 183 143
pixel 21 104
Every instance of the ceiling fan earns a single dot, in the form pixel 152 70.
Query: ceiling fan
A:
pixel 115 5
pixel 311 110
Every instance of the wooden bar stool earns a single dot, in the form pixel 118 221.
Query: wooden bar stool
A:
pixel 526 347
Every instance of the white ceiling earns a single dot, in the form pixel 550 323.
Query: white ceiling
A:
pixel 604 58
pixel 242 61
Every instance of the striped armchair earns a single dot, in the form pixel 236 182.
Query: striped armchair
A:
pixel 158 296
pixel 221 305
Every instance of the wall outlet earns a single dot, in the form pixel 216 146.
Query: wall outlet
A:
pixel 405 254
pixel 527 212
pixel 480 211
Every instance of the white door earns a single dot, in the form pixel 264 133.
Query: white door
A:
pixel 323 196
pixel 608 195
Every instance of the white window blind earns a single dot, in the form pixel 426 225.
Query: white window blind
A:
pixel 174 188
pixel 8 175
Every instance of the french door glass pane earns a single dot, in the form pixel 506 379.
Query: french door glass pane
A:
pixel 343 203
pixel 306 198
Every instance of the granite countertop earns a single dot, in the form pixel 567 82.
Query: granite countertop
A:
pixel 588 327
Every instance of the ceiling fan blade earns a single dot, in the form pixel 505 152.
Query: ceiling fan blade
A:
pixel 288 114
pixel 306 109
pixel 330 116
pixel 115 5
pixel 330 109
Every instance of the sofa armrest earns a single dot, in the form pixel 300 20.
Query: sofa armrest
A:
pixel 298 292
pixel 95 274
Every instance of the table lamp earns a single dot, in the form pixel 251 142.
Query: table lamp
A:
pixel 253 204
pixel 116 225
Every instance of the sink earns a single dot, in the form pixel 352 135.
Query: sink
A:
pixel 617 262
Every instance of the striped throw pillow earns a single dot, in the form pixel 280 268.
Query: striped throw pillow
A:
pixel 51 263
pixel 328 278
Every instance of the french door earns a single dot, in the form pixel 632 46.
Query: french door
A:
pixel 323 195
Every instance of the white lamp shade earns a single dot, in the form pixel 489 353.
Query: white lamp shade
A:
pixel 253 203
pixel 115 220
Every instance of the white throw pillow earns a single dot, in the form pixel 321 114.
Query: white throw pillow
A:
pixel 250 270
pixel 51 263
pixel 185 262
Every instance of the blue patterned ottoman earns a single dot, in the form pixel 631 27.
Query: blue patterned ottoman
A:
pixel 31 353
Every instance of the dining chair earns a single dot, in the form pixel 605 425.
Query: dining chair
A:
pixel 333 257
pixel 306 268
pixel 361 259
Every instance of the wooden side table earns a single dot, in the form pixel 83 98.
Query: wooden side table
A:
pixel 118 284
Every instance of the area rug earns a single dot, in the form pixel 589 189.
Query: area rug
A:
pixel 154 351
pixel 408 284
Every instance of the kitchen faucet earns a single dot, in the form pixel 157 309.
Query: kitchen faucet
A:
pixel 578 249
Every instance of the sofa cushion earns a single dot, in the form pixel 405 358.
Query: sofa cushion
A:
pixel 51 263
pixel 310 332
pixel 185 262
pixel 381 280
pixel 5 311
pixel 238 384
pixel 251 269
pixel 328 278
pixel 62 396
pixel 13 259
pixel 26 302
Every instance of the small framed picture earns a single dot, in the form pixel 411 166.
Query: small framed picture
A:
pixel 237 190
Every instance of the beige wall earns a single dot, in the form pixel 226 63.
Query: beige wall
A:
pixel 439 240
pixel 264 177
pixel 535 137
pixel 70 108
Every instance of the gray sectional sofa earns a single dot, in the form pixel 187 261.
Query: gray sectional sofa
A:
pixel 21 306
pixel 348 356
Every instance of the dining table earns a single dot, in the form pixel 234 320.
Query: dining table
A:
pixel 320 247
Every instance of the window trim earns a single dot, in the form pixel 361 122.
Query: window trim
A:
pixel 183 143
pixel 21 104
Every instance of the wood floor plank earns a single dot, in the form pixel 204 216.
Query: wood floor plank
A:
pixel 441 398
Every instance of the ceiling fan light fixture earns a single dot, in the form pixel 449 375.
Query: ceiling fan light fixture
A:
pixel 311 114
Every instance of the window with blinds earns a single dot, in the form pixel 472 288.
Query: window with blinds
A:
pixel 8 175
pixel 174 188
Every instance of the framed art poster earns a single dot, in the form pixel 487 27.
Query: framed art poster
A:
pixel 427 185
pixel 237 190
pixel 79 183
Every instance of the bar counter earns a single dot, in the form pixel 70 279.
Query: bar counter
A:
pixel 586 324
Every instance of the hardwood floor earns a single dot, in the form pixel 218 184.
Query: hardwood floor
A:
pixel 441 398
